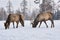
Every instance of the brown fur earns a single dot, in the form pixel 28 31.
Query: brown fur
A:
pixel 14 18
pixel 43 17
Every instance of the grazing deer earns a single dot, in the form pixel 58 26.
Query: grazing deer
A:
pixel 14 18
pixel 43 17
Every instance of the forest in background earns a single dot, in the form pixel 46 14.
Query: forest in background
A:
pixel 46 5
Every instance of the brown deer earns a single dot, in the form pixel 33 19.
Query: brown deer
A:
pixel 43 17
pixel 14 18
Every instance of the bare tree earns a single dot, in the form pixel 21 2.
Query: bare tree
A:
pixel 45 5
pixel 18 11
pixel 24 4
pixel 34 13
pixel 9 7
pixel 57 14
pixel 2 14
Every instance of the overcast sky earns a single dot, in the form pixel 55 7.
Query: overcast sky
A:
pixel 16 4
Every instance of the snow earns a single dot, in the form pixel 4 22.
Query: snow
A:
pixel 29 33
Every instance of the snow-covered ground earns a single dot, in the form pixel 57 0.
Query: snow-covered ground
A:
pixel 29 33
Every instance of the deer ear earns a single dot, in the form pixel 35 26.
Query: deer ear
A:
pixel 31 23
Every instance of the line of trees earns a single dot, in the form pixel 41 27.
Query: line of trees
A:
pixel 46 5
pixel 50 5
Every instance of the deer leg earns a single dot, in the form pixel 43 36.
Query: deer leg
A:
pixel 17 24
pixel 46 24
pixel 13 25
pixel 40 24
pixel 52 23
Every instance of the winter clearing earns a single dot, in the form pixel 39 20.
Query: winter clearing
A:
pixel 29 33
